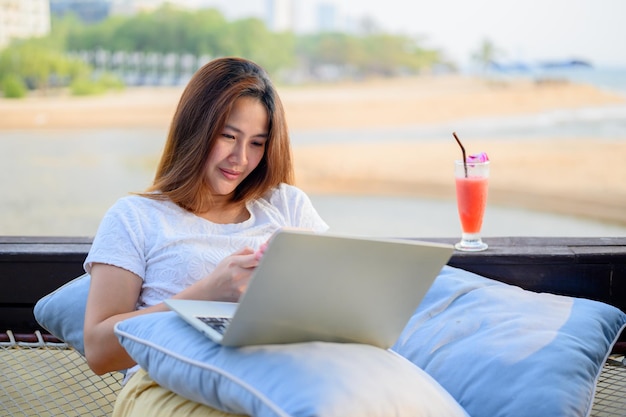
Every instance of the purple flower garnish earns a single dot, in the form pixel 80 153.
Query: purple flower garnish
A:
pixel 480 157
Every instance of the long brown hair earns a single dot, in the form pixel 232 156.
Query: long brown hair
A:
pixel 202 112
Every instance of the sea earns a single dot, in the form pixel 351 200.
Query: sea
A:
pixel 56 183
pixel 586 122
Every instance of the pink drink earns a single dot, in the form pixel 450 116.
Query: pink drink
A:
pixel 471 195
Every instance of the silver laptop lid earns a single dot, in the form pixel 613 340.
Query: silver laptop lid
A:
pixel 328 287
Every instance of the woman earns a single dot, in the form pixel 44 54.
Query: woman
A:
pixel 221 189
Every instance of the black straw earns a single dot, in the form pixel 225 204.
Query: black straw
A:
pixel 462 150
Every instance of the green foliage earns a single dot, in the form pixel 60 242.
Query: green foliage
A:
pixel 207 32
pixel 165 30
pixel 45 63
pixel 486 53
pixel 110 81
pixel 84 86
pixel 13 86
pixel 371 54
pixel 251 39
pixel 37 63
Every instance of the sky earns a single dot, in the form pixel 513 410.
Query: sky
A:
pixel 523 29
pixel 529 30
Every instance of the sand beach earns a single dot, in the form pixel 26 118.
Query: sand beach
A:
pixel 578 176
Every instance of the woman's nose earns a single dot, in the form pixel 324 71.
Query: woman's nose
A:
pixel 239 154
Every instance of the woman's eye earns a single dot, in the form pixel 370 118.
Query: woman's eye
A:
pixel 228 136
pixel 258 144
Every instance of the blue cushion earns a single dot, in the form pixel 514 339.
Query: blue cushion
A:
pixel 302 379
pixel 499 350
pixel 62 312
pixel 503 351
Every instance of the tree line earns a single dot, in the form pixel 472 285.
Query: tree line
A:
pixel 53 61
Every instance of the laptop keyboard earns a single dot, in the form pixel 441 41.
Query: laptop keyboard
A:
pixel 219 324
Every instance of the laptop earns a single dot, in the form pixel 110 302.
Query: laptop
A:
pixel 323 287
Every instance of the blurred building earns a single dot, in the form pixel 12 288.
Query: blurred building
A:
pixel 326 17
pixel 89 11
pixel 280 15
pixel 301 16
pixel 131 7
pixel 96 10
pixel 21 19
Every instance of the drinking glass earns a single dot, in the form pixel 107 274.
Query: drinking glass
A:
pixel 471 197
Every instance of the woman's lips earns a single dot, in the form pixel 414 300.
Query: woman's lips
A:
pixel 229 174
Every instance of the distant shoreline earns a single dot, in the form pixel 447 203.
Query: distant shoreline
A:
pixel 371 103
pixel 583 177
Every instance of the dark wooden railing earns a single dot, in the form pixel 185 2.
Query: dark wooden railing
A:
pixel 31 267
pixel 594 268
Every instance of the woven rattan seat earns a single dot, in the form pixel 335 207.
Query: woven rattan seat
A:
pixel 43 378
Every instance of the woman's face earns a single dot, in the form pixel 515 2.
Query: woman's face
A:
pixel 239 148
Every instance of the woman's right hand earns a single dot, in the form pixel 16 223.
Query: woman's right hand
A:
pixel 228 281
pixel 232 274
